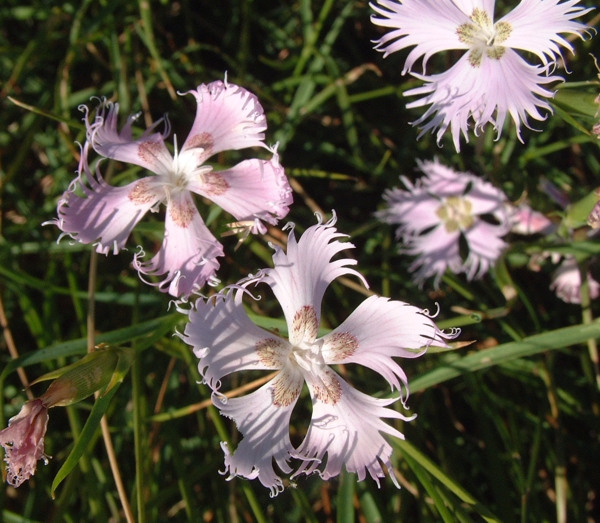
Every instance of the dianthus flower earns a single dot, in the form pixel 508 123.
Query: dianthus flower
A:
pixel 23 441
pixel 566 282
pixel 228 117
pixel 439 209
pixel 491 79
pixel 346 424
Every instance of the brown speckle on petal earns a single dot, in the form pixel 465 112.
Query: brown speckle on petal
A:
pixel 203 141
pixel 283 392
pixel 142 193
pixel 271 352
pixel 182 213
pixel 305 325
pixel 330 390
pixel 342 345
pixel 149 151
pixel 214 184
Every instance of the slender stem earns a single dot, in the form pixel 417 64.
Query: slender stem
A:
pixel 12 348
pixel 587 317
pixel 110 450
pixel 560 471
pixel 139 414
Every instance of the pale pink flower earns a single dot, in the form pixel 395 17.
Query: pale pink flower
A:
pixel 524 220
pixel 437 211
pixel 566 282
pixel 23 441
pixel 491 80
pixel 228 118
pixel 346 424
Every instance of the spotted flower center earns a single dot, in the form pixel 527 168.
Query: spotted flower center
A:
pixel 456 214
pixel 183 171
pixel 483 36
pixel 302 355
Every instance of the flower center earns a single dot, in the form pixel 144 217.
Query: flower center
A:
pixel 483 36
pixel 307 356
pixel 456 213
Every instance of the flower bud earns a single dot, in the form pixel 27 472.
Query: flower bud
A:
pixel 83 378
pixel 23 439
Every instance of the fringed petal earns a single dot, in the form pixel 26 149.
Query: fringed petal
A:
pixel 253 189
pixel 263 417
pixel 346 426
pixel 188 256
pixel 228 118
pixel 104 214
pixel 148 151
pixel 378 330
pixel 300 277
pixel 225 339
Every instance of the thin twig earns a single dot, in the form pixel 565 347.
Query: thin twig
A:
pixel 12 348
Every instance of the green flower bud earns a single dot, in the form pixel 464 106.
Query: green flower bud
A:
pixel 98 370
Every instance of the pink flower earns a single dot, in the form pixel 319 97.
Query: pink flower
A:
pixel 346 424
pixel 491 80
pixel 228 117
pixel 566 282
pixel 524 220
pixel 23 441
pixel 440 209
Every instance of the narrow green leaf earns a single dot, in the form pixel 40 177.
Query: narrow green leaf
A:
pixel 552 340
pixel 406 448
pixel 430 488
pixel 81 445
pixel 148 329
pixel 52 116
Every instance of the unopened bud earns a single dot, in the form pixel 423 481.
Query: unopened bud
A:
pixel 82 379
pixel 23 439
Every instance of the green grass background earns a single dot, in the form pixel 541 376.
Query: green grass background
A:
pixel 507 428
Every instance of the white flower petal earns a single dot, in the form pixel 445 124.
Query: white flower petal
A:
pixel 347 428
pixel 486 94
pixel 148 151
pixel 300 276
pixel 265 425
pixel 537 24
pixel 253 189
pixel 378 330
pixel 411 20
pixel 485 247
pixel 228 118
pixel 226 340
pixel 105 215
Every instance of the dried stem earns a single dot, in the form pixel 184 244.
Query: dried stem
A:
pixel 12 348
